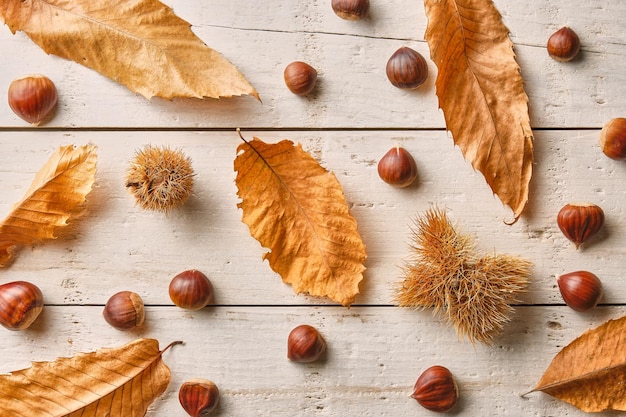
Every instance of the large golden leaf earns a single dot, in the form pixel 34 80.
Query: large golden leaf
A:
pixel 119 382
pixel 481 93
pixel 590 372
pixel 56 194
pixel 297 209
pixel 141 44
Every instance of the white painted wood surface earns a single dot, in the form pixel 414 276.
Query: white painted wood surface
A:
pixel 376 350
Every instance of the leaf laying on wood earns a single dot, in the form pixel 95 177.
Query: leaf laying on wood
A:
pixel 590 372
pixel 114 382
pixel 141 44
pixel 56 194
pixel 481 93
pixel 297 209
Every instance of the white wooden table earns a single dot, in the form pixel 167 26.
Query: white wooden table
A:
pixel 376 349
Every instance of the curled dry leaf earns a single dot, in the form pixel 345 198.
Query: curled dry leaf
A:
pixel 482 95
pixel 141 44
pixel 57 193
pixel 297 209
pixel 590 372
pixel 113 382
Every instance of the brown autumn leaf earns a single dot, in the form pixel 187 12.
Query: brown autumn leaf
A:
pixel 56 194
pixel 113 382
pixel 481 93
pixel 590 372
pixel 141 44
pixel 297 209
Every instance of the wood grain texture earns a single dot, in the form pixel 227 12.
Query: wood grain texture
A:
pixel 376 350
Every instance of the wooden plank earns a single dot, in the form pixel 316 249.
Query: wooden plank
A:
pixel 374 356
pixel 118 246
pixel 353 90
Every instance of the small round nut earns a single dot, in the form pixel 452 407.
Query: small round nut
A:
pixel 563 45
pixel 124 310
pixel 397 167
pixel 191 290
pixel 581 290
pixel 305 344
pixel 300 78
pixel 199 397
pixel 351 9
pixel 613 139
pixel 436 389
pixel 21 303
pixel 579 222
pixel 407 68
pixel 32 97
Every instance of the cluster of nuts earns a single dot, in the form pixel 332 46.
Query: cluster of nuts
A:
pixel 406 68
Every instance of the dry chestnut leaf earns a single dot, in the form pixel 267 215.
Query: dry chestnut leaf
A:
pixel 57 193
pixel 114 382
pixel 471 291
pixel 481 93
pixel 590 372
pixel 297 209
pixel 142 45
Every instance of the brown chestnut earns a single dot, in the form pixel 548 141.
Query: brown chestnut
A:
pixel 580 221
pixel 581 290
pixel 305 344
pixel 563 45
pixel 199 397
pixel 351 9
pixel 191 290
pixel 407 68
pixel 397 167
pixel 32 97
pixel 124 310
pixel 20 304
pixel 300 78
pixel 613 139
pixel 436 389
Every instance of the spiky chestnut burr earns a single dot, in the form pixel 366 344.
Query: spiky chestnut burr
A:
pixel 160 178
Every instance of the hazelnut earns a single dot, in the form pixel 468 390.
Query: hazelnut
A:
pixel 407 68
pixel 351 9
pixel 305 344
pixel 124 310
pixel 199 397
pixel 613 139
pixel 20 304
pixel 397 167
pixel 580 221
pixel 436 389
pixel 581 290
pixel 300 78
pixel 32 97
pixel 563 45
pixel 191 289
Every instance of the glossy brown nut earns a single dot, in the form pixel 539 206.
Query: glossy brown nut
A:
pixel 351 9
pixel 436 389
pixel 613 139
pixel 397 167
pixel 124 310
pixel 32 97
pixel 581 290
pixel 563 45
pixel 20 304
pixel 191 290
pixel 300 78
pixel 305 344
pixel 407 68
pixel 199 397
pixel 580 221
